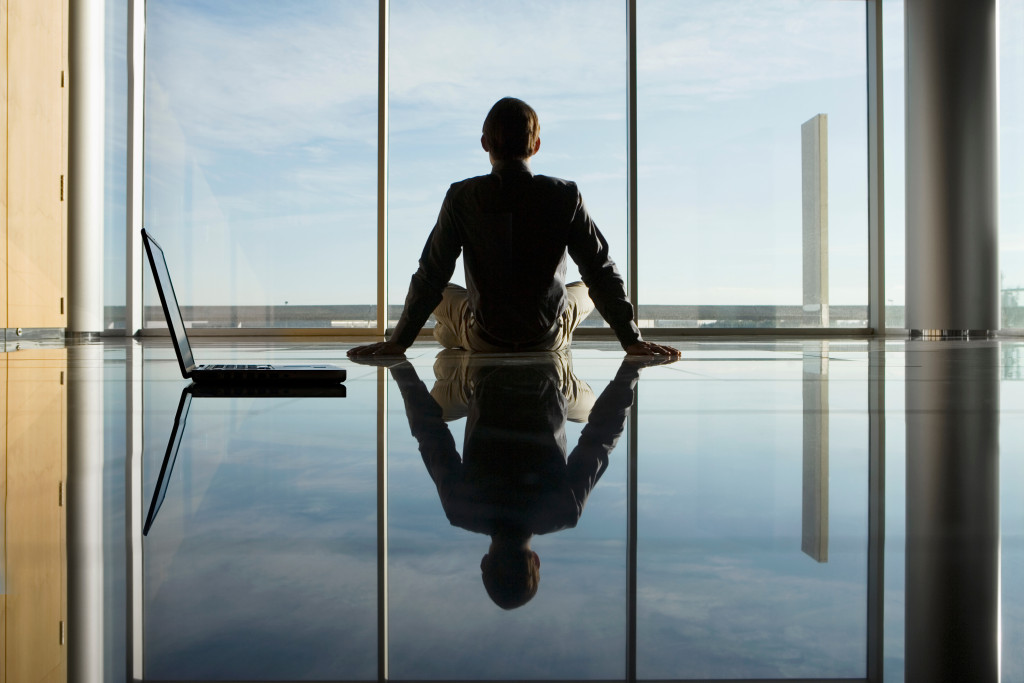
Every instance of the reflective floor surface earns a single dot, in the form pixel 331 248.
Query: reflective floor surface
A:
pixel 758 510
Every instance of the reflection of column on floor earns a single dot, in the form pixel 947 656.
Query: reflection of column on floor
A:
pixel 87 589
pixel 33 576
pixel 814 163
pixel 134 497
pixel 952 546
pixel 814 537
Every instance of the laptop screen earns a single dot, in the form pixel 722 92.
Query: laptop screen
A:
pixel 170 304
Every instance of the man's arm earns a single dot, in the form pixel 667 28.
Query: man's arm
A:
pixel 436 265
pixel 589 249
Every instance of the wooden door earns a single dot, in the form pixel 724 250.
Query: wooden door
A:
pixel 36 163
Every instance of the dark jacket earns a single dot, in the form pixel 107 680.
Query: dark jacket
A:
pixel 515 229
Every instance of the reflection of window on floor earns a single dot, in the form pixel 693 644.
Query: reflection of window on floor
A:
pixel 358 316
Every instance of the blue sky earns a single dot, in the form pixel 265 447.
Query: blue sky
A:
pixel 261 137
pixel 267 162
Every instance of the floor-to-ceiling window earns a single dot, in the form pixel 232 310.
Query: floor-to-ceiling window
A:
pixel 1011 172
pixel 450 61
pixel 261 150
pixel 752 160
pixel 115 164
pixel 260 160
pixel 893 124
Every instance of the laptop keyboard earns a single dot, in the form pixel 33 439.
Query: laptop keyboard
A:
pixel 237 367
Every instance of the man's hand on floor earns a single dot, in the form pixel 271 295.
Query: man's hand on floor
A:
pixel 371 353
pixel 644 348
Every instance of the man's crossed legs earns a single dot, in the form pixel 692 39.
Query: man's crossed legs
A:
pixel 455 329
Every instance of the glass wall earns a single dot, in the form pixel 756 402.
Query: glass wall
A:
pixel 1011 171
pixel 448 65
pixel 261 150
pixel 260 175
pixel 895 164
pixel 115 164
pixel 260 160
pixel 745 191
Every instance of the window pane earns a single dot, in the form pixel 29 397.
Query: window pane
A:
pixel 1011 171
pixel 115 164
pixel 451 60
pixel 260 159
pixel 727 170
pixel 895 165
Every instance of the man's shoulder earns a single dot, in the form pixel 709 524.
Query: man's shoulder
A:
pixel 489 178
pixel 474 180
pixel 542 184
pixel 555 182
pixel 468 184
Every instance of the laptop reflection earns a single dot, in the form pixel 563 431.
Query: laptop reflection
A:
pixel 207 390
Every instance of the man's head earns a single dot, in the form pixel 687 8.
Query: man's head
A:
pixel 511 575
pixel 511 130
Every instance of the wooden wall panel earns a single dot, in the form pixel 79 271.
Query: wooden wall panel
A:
pixel 3 173
pixel 35 164
pixel 35 519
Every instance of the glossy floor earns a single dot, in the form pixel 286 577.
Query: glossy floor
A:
pixel 768 509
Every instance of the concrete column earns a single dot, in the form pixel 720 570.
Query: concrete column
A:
pixel 952 547
pixel 86 149
pixel 952 251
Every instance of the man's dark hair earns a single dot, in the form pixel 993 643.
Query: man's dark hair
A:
pixel 511 129
pixel 510 577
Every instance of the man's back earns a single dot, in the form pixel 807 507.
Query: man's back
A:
pixel 513 228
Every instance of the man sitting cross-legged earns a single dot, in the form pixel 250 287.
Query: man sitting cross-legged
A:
pixel 514 229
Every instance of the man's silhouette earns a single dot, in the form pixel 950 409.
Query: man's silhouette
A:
pixel 515 477
pixel 514 229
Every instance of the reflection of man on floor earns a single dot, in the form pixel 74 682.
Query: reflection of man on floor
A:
pixel 514 230
pixel 514 478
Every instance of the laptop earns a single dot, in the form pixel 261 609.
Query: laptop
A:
pixel 321 373
pixel 222 391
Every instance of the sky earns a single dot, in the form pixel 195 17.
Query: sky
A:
pixel 261 176
pixel 261 138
